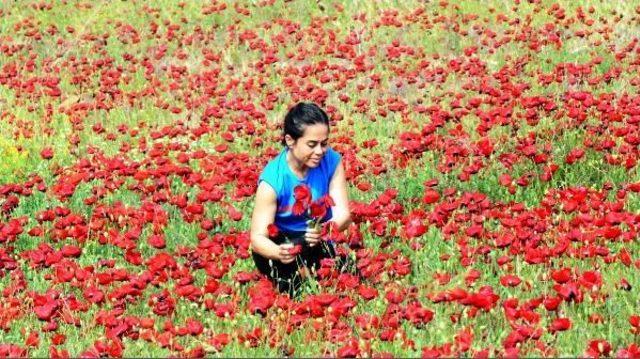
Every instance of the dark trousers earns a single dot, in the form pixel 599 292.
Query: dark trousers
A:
pixel 286 277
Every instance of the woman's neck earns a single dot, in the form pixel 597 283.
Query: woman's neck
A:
pixel 297 167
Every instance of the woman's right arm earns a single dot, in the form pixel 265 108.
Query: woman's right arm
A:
pixel 264 213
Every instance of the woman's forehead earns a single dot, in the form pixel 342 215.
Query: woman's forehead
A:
pixel 317 132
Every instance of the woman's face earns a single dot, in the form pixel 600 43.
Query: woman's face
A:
pixel 309 149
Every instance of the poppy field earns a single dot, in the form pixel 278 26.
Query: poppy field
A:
pixel 491 150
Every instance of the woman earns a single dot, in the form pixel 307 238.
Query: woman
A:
pixel 307 160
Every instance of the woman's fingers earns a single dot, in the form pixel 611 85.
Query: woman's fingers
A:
pixel 312 237
pixel 285 253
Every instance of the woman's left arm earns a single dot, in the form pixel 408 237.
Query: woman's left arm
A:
pixel 338 192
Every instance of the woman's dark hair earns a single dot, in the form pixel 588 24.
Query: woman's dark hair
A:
pixel 301 115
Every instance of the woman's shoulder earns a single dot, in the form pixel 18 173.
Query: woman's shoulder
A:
pixel 274 162
pixel 333 154
pixel 272 172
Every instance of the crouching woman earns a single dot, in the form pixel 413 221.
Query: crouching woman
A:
pixel 284 244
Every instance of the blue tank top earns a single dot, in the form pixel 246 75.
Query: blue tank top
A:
pixel 279 176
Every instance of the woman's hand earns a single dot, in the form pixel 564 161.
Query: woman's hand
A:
pixel 286 253
pixel 312 236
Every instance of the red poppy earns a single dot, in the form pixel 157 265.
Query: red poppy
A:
pixel 632 351
pixel 46 153
pixel 302 193
pixel 156 241
pixel 510 280
pixel 597 348
pixel 317 211
pixel 560 324
pixel 272 230
pixel 430 196
pixel 634 320
pixel 298 208
pixel 295 250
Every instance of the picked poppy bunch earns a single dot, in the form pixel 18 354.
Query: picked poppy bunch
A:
pixel 313 210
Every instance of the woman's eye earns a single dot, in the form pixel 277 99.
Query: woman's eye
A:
pixel 314 144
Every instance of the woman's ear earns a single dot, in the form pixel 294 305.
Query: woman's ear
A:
pixel 289 140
